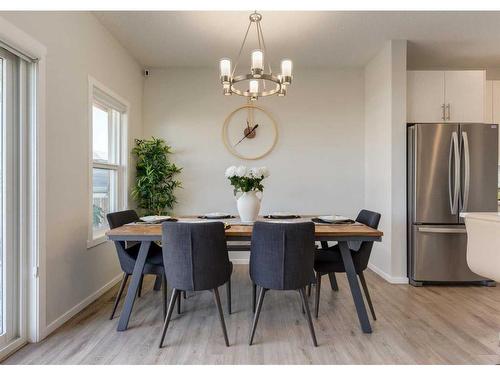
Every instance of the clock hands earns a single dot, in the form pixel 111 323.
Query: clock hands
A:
pixel 246 135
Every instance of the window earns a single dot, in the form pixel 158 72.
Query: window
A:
pixel 108 115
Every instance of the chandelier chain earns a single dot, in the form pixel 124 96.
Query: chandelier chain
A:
pixel 265 49
pixel 241 48
pixel 259 36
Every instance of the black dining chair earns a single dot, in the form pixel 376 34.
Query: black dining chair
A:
pixel 196 259
pixel 328 260
pixel 282 258
pixel 127 255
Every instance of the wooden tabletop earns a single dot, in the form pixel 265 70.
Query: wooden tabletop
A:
pixel 329 232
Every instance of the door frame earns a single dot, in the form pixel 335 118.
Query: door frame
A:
pixel 33 306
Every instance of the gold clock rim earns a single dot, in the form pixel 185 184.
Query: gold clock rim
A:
pixel 236 153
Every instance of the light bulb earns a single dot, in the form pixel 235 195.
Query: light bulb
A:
pixel 254 87
pixel 286 71
pixel 257 59
pixel 225 69
pixel 286 68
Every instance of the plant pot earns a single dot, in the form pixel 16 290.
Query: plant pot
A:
pixel 248 206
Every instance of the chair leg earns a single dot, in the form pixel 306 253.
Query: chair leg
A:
pixel 309 290
pixel 184 295
pixel 254 296
pixel 179 302
pixel 367 294
pixel 333 281
pixel 139 289
pixel 119 295
pixel 165 299
pixel 158 282
pixel 318 290
pixel 175 294
pixel 221 315
pixel 308 315
pixel 228 295
pixel 257 313
pixel 302 305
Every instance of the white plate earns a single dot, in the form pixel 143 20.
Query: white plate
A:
pixel 152 219
pixel 216 215
pixel 331 218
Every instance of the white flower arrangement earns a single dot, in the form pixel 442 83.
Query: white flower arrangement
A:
pixel 246 179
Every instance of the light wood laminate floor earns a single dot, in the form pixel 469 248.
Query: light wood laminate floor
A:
pixel 430 325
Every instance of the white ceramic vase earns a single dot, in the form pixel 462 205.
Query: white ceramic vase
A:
pixel 248 206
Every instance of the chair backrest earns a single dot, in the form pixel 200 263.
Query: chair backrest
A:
pixel 195 255
pixel 362 256
pixel 115 220
pixel 282 255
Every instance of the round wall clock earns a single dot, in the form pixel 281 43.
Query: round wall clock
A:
pixel 250 132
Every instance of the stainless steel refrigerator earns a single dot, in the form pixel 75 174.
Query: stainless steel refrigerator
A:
pixel 451 168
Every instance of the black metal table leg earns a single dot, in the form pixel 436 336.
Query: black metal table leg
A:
pixel 352 277
pixel 134 285
pixel 119 295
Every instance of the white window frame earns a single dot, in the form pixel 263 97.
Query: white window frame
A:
pixel 104 97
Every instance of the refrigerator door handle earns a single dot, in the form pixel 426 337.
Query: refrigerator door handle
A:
pixel 456 169
pixel 465 141
pixel 441 230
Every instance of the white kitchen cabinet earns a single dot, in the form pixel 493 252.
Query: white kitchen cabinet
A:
pixel 464 95
pixel 446 96
pixel 425 96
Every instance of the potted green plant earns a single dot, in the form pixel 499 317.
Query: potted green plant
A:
pixel 155 181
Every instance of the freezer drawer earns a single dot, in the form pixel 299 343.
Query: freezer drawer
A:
pixel 439 254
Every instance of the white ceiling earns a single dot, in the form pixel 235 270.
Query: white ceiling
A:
pixel 339 39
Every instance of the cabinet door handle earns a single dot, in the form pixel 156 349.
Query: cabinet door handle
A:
pixel 443 117
pixel 448 107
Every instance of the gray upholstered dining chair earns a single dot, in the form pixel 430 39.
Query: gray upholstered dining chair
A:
pixel 196 259
pixel 282 258
pixel 127 255
pixel 328 260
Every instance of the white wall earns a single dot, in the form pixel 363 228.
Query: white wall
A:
pixel 317 165
pixel 385 156
pixel 77 45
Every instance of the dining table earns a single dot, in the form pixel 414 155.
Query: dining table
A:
pixel 238 231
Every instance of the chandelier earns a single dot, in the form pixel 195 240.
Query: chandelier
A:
pixel 259 82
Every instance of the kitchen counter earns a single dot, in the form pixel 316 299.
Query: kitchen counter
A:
pixel 483 243
pixel 488 216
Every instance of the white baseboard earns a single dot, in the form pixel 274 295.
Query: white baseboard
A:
pixel 387 277
pixel 239 257
pixel 240 261
pixel 80 306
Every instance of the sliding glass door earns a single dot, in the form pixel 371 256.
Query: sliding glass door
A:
pixel 10 162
